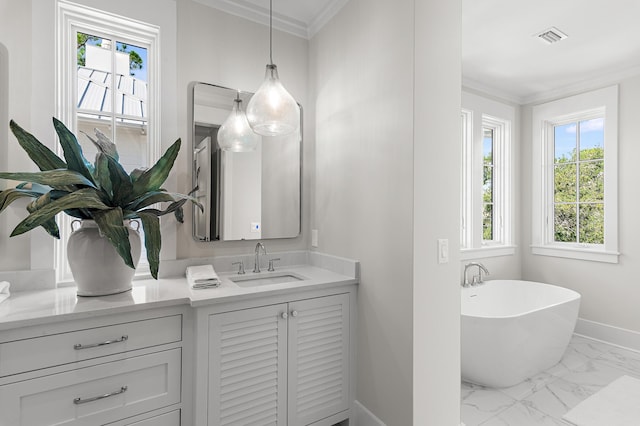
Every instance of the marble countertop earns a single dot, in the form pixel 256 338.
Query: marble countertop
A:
pixel 36 307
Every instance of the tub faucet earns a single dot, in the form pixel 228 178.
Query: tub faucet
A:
pixel 476 279
pixel 256 266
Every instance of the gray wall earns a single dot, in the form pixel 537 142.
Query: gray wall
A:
pixel 4 136
pixel 15 35
pixel 387 128
pixel 437 153
pixel 362 77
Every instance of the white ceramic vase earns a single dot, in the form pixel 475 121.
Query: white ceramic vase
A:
pixel 97 268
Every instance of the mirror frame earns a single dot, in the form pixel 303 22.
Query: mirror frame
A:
pixel 191 117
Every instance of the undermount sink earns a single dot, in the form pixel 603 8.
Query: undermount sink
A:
pixel 266 279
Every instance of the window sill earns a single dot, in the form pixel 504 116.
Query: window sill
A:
pixel 487 251
pixel 576 253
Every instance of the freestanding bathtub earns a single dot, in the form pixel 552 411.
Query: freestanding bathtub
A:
pixel 511 330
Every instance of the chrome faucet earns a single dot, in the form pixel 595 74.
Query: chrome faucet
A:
pixel 477 279
pixel 256 266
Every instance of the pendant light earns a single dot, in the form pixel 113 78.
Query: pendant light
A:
pixel 235 135
pixel 272 111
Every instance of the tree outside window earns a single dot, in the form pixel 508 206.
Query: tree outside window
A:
pixel 579 182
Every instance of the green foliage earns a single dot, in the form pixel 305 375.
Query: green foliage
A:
pixel 135 60
pixel 102 192
pixel 487 198
pixel 579 197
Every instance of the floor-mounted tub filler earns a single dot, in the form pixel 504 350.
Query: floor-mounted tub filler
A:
pixel 512 330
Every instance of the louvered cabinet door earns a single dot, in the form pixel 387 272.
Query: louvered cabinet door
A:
pixel 318 358
pixel 248 367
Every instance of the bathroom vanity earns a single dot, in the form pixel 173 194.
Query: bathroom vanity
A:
pixel 166 355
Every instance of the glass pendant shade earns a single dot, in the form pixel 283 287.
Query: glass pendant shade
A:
pixel 272 111
pixel 235 134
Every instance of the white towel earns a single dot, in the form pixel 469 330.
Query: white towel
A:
pixel 202 276
pixel 613 405
pixel 4 291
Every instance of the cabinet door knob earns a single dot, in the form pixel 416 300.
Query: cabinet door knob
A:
pixel 285 315
pixel 294 313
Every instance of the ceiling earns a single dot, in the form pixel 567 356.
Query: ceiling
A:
pixel 502 56
pixel 302 18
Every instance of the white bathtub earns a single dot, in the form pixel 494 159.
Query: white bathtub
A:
pixel 511 330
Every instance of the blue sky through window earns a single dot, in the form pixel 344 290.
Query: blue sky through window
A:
pixel 565 140
pixel 592 133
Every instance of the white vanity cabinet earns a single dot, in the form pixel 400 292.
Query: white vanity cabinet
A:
pixel 285 364
pixel 115 369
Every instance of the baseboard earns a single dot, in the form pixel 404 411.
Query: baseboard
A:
pixel 364 417
pixel 608 333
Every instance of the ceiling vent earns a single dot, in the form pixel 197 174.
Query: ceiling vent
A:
pixel 551 35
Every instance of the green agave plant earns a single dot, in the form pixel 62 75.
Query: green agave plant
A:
pixel 103 192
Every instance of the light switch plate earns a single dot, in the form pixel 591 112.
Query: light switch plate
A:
pixel 443 250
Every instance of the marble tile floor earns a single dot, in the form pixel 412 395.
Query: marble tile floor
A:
pixel 587 366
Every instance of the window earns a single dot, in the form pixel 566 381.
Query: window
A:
pixel 486 178
pixel 107 77
pixel 575 177
pixel 578 182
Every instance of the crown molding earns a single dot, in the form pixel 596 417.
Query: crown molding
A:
pixel 325 16
pixel 281 22
pixel 582 86
pixel 550 95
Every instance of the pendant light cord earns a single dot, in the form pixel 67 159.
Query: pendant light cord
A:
pixel 271 31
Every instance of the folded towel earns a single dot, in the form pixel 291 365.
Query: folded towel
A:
pixel 202 276
pixel 4 291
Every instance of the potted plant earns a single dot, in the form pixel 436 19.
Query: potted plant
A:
pixel 104 197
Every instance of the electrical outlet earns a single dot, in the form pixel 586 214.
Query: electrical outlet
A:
pixel 314 238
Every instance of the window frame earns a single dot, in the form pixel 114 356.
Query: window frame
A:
pixel 71 19
pixel 480 113
pixel 598 103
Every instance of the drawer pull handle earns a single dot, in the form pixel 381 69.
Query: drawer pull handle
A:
pixel 78 401
pixel 95 345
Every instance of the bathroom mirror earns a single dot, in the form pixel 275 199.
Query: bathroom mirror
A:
pixel 246 195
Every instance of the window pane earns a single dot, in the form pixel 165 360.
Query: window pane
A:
pixel 131 83
pixel 487 222
pixel 132 145
pixel 592 223
pixel 487 146
pixel 94 75
pixel 564 143
pixel 87 123
pixel 592 139
pixel 565 183
pixel 565 221
pixel 487 184
pixel 592 181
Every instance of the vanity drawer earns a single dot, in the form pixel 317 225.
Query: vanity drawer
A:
pixel 94 395
pixel 169 419
pixel 41 352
